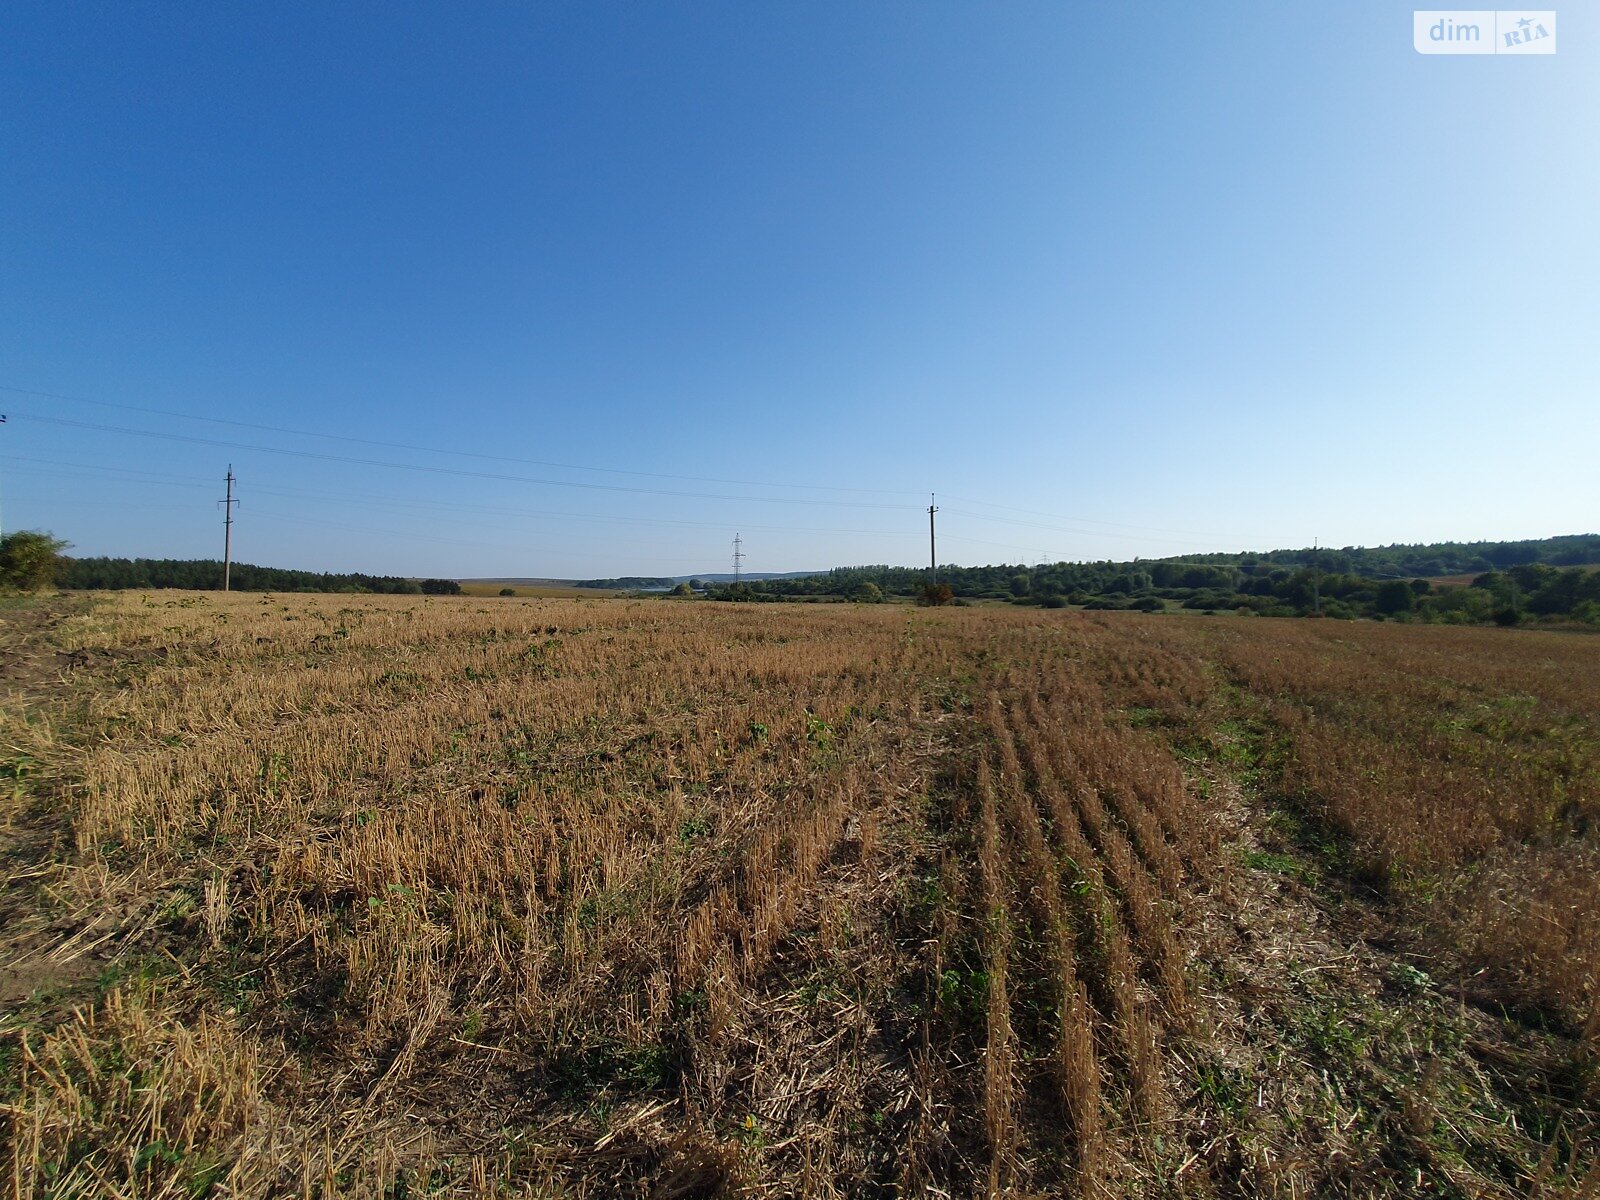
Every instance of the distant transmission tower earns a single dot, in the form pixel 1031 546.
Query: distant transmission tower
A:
pixel 738 557
pixel 933 554
pixel 227 531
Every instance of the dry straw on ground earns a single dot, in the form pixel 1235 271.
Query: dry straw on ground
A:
pixel 396 896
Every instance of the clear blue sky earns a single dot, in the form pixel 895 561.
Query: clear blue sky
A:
pixel 1115 281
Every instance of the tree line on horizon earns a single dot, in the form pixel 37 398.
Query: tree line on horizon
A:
pixel 199 574
pixel 1544 577
pixel 632 583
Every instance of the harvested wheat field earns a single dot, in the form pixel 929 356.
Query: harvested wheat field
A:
pixel 400 897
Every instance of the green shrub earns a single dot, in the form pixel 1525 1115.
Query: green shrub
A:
pixel 29 559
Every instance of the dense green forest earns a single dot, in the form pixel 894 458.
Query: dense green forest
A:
pixel 206 575
pixel 1515 580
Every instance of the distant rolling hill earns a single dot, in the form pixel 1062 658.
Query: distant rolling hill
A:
pixel 630 582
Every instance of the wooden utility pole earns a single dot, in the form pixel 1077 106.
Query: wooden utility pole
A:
pixel 227 532
pixel 933 554
pixel 1316 579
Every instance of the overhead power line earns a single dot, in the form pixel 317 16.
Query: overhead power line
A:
pixel 452 471
pixel 1076 520
pixel 1103 533
pixel 527 462
pixel 184 480
pixel 156 479
pixel 159 479
pixel 1070 520
pixel 1109 528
